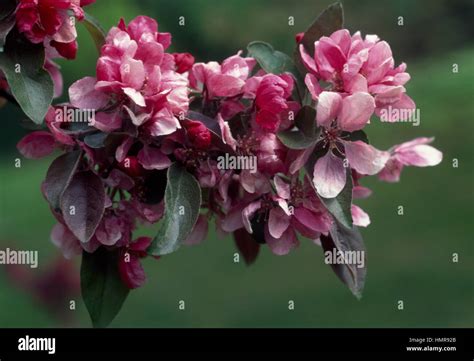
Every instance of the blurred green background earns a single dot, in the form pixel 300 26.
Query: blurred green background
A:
pixel 409 257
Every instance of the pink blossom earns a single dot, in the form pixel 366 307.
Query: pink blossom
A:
pixel 270 93
pixel 337 115
pixel 50 21
pixel 226 80
pixel 416 153
pixel 353 64
pixel 306 215
pixel 135 72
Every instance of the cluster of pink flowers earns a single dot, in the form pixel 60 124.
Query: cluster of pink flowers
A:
pixel 155 108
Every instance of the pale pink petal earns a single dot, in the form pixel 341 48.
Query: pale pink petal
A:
pixel 361 192
pixel 107 122
pixel 224 85
pixel 226 133
pixel 313 85
pixel 314 221
pixel 82 94
pixel 420 155
pixel 122 150
pixel 391 172
pixel 135 95
pixel 247 214
pixel 364 158
pixel 133 73
pixel 356 111
pixel 329 105
pixel 283 245
pixel 278 222
pixel 329 176
pixel 359 217
pixel 233 219
pixel 282 188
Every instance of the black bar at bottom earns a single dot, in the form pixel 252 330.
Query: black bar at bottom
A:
pixel 432 343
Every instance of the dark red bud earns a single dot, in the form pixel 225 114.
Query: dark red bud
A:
pixel 66 50
pixel 131 166
pixel 198 134
pixel 299 37
pixel 184 62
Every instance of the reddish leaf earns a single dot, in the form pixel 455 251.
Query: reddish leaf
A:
pixel 82 204
pixel 59 175
pixel 246 245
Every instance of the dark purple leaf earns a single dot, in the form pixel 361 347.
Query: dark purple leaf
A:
pixel 82 204
pixel 246 245
pixel 59 175
pixel 347 240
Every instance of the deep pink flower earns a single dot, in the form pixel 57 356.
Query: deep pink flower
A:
pixel 184 62
pixel 198 134
pixel 352 64
pixel 226 80
pixel 416 153
pixel 138 77
pixel 270 93
pixel 50 20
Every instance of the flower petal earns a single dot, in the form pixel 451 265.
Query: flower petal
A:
pixel 328 107
pixel 278 222
pixel 356 111
pixel 329 176
pixel 37 145
pixel 284 244
pixel 364 158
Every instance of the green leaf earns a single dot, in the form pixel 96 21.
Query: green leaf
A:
pixel 182 204
pixel 95 30
pixel 59 176
pixel 96 140
pixel 102 289
pixel 307 133
pixel 306 121
pixel 326 23
pixel 295 139
pixel 272 61
pixel 30 84
pixel 347 240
